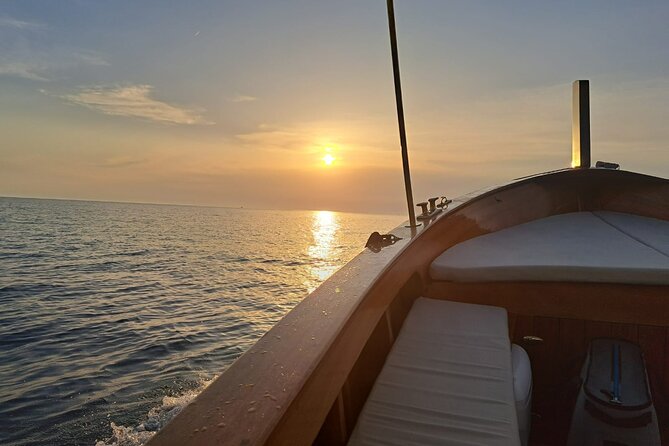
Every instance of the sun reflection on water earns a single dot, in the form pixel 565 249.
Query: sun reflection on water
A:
pixel 324 229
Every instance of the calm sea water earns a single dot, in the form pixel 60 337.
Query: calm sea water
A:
pixel 113 316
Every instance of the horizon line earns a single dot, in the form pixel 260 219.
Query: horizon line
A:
pixel 86 200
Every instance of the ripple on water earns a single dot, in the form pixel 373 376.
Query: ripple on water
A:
pixel 114 316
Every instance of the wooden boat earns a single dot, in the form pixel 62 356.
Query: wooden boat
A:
pixel 307 380
pixel 429 337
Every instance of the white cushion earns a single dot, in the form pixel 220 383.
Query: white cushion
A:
pixel 576 247
pixel 447 381
pixel 649 231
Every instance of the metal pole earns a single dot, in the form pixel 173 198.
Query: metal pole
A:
pixel 400 112
pixel 580 126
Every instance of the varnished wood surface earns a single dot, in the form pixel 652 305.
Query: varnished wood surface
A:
pixel 284 388
pixel 633 304
pixel 558 360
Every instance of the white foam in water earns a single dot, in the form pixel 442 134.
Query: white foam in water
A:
pixel 157 417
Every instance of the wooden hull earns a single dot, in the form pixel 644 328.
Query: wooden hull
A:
pixel 307 379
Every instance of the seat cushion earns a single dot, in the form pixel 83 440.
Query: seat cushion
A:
pixel 447 380
pixel 577 247
pixel 651 232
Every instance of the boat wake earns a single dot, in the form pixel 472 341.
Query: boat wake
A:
pixel 156 418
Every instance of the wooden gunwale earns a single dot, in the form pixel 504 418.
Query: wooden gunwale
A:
pixel 284 387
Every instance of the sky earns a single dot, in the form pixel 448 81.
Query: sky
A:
pixel 238 103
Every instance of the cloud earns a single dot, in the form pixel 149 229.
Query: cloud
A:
pixel 10 22
pixel 134 101
pixel 281 137
pixel 122 161
pixel 38 59
pixel 90 58
pixel 243 98
pixel 371 136
pixel 23 70
pixel 42 65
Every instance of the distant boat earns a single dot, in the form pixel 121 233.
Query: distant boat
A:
pixel 547 296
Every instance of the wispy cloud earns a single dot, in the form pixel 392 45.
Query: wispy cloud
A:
pixel 40 66
pixel 243 98
pixel 90 58
pixel 371 135
pixel 38 59
pixel 278 138
pixel 23 70
pixel 11 22
pixel 122 161
pixel 134 101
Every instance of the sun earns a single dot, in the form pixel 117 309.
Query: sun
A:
pixel 328 159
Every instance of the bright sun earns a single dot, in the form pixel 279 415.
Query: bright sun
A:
pixel 328 159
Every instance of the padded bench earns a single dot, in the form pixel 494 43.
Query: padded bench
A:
pixel 448 380
pixel 607 247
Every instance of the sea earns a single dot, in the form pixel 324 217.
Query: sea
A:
pixel 114 316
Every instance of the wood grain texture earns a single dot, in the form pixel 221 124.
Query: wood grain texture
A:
pixel 598 329
pixel 545 360
pixel 634 304
pixel 364 372
pixel 571 346
pixel 652 342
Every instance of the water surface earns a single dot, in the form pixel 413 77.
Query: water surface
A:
pixel 112 316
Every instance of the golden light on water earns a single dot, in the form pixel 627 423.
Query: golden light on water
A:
pixel 324 226
pixel 324 229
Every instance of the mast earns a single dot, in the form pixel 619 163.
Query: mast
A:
pixel 400 112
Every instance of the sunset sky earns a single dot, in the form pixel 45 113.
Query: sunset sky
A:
pixel 289 104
